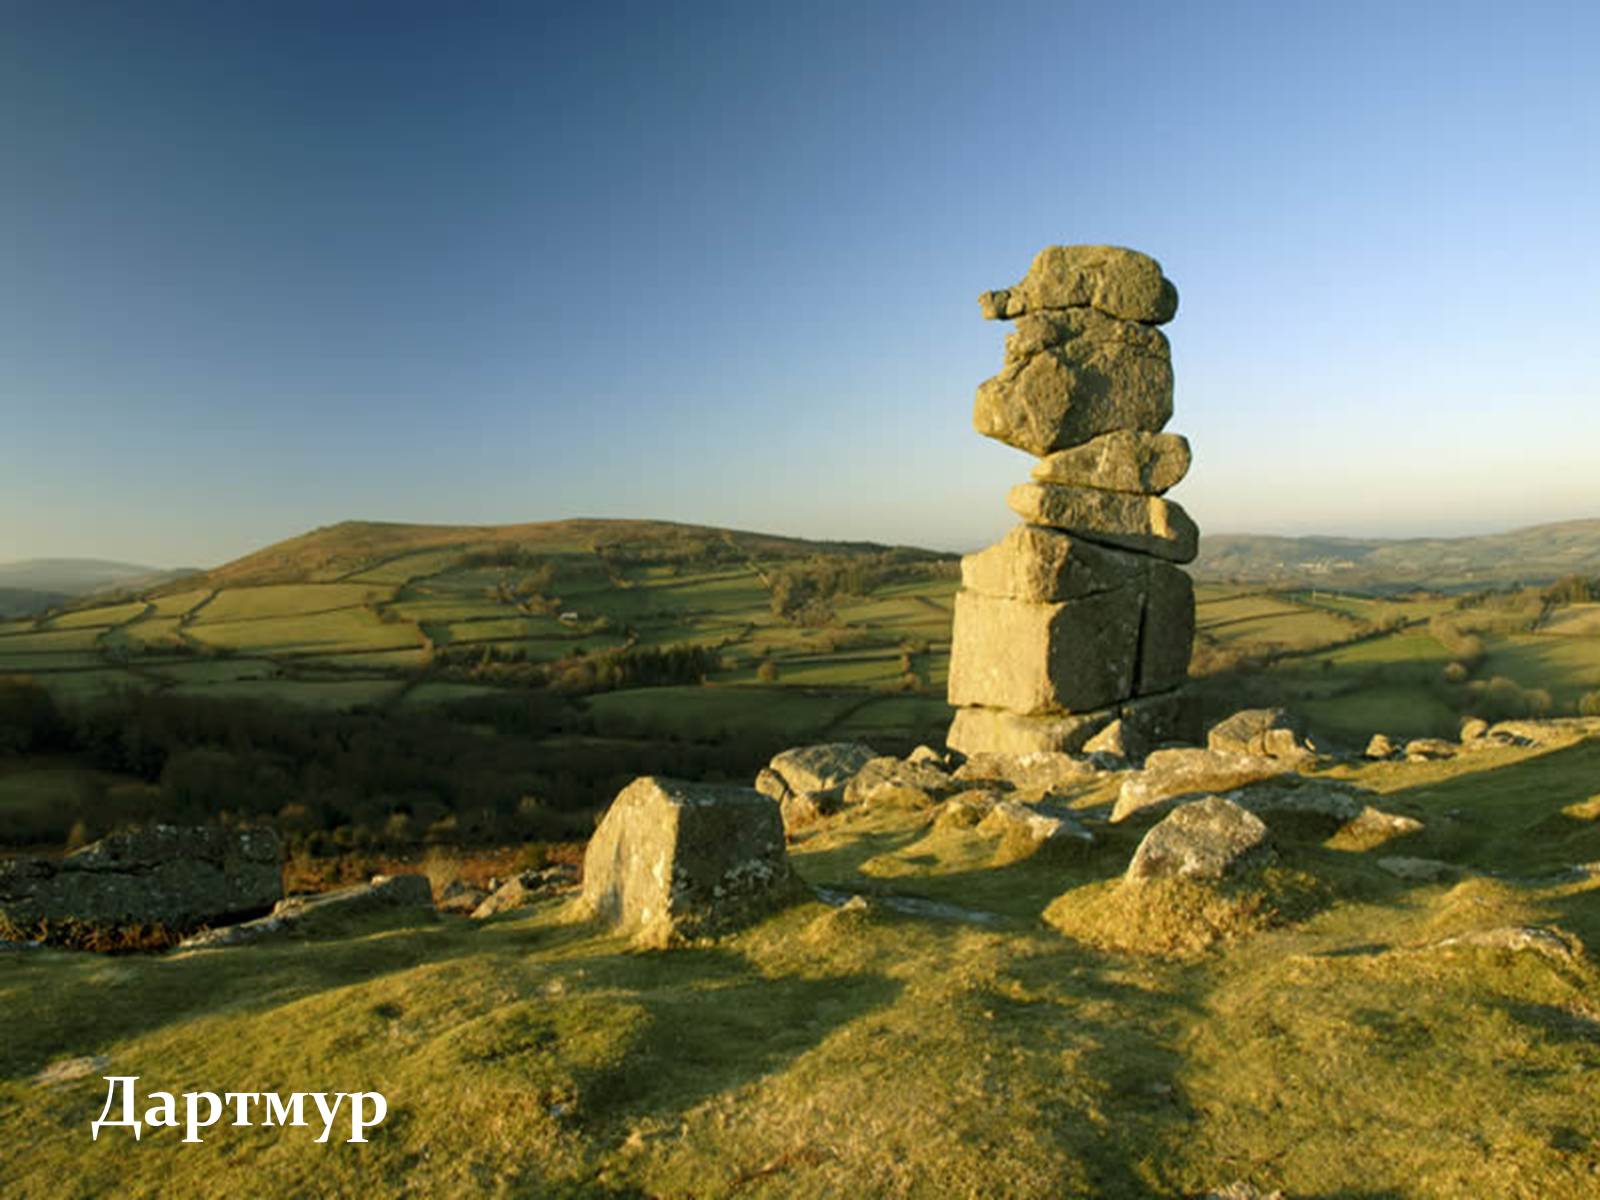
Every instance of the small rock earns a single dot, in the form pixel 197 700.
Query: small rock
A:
pixel 927 754
pixel 1240 1190
pixel 69 1069
pixel 1379 747
pixel 1473 728
pixel 1272 732
pixel 1429 750
pixel 966 810
pixel 1206 839
pixel 799 809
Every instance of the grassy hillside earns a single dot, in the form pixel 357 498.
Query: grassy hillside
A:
pixel 1333 1045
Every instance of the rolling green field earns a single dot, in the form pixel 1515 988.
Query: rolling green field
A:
pixel 444 611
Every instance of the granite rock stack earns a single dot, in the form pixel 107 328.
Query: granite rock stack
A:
pixel 1074 630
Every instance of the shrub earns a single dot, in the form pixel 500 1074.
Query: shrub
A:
pixel 1589 704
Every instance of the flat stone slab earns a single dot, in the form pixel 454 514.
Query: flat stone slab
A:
pixel 1073 376
pixel 168 875
pixel 1121 461
pixel 1048 566
pixel 1147 722
pixel 1169 774
pixel 1146 524
pixel 1034 659
pixel 1113 279
pixel 672 860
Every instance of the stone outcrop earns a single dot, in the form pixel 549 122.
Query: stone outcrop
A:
pixel 176 876
pixel 1078 621
pixel 672 861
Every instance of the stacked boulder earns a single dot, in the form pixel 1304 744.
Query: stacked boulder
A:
pixel 1074 631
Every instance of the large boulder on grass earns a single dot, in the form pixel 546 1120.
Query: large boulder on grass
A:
pixel 672 861
pixel 1203 840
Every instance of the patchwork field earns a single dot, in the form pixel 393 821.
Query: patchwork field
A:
pixel 459 614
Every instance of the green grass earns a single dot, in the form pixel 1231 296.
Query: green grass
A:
pixel 1327 1049
pixel 340 631
pixel 1567 666
pixel 97 618
pixel 179 603
pixel 288 600
pixel 47 642
pixel 1574 620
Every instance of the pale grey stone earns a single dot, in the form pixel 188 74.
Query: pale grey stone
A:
pixel 1113 279
pixel 1123 460
pixel 1206 839
pixel 1146 524
pixel 1035 659
pixel 672 860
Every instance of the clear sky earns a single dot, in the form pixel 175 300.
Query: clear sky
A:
pixel 268 266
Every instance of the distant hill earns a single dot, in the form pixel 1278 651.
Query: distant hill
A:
pixel 1537 554
pixel 69 576
pixel 351 547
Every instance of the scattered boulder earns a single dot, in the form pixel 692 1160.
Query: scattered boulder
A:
pixel 1121 461
pixel 1379 747
pixel 1145 524
pixel 1374 825
pixel 1294 795
pixel 308 913
pixel 1473 728
pixel 1203 840
pixel 1272 732
pixel 930 756
pixel 1429 749
pixel 1170 774
pixel 522 890
pixel 673 860
pixel 821 767
pixel 883 775
pixel 177 876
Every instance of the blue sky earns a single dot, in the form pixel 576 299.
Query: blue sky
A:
pixel 265 267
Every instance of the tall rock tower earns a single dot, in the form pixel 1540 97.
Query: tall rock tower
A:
pixel 1076 626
